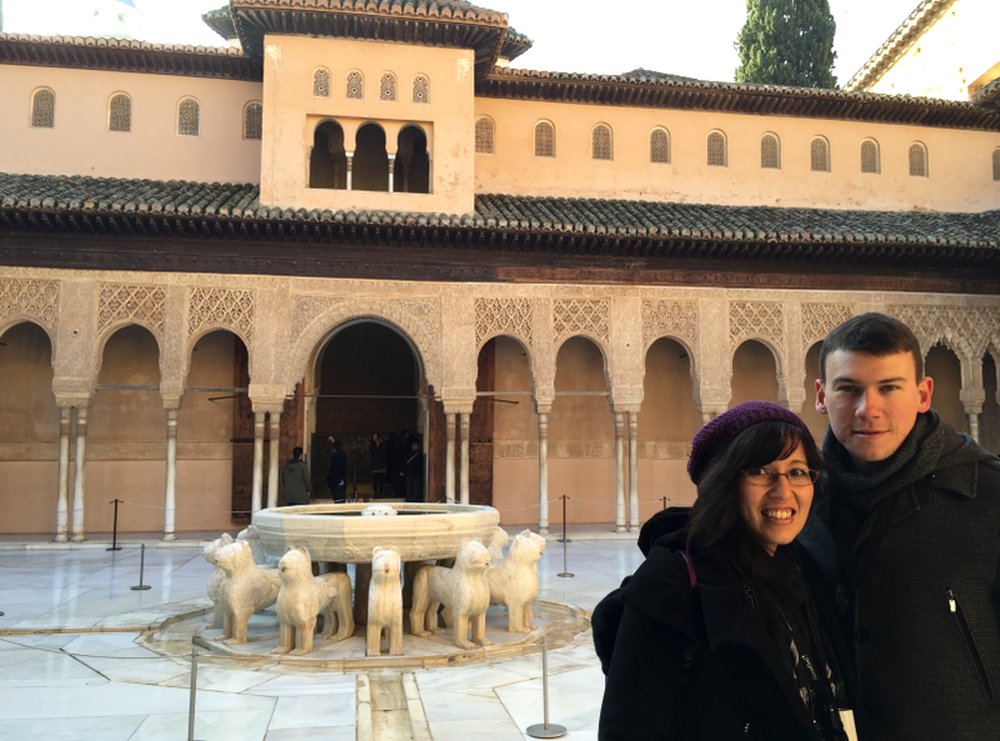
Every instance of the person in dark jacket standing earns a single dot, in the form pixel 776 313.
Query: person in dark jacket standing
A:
pixel 295 479
pixel 718 636
pixel 378 458
pixel 914 515
pixel 336 480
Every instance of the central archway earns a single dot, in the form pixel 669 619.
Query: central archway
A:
pixel 368 379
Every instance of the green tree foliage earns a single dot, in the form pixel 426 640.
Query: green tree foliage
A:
pixel 787 42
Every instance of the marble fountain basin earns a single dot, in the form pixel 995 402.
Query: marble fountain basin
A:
pixel 340 533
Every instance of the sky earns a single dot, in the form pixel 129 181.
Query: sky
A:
pixel 693 38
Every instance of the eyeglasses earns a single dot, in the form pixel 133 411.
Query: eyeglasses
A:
pixel 767 477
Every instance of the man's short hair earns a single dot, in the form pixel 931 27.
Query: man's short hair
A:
pixel 874 334
pixel 296 452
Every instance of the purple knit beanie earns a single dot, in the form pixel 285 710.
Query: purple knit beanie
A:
pixel 717 434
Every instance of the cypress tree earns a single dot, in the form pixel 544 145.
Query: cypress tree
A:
pixel 787 42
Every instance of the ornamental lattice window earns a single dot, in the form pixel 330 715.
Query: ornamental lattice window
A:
pixel 770 152
pixel 188 118
pixel 918 160
pixel 716 146
pixel 355 85
pixel 43 109
pixel 253 120
pixel 601 142
pixel 819 155
pixel 120 113
pixel 870 160
pixel 484 136
pixel 659 145
pixel 321 83
pixel 545 139
pixel 421 89
pixel 387 87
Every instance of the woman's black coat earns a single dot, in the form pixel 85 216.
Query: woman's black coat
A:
pixel 700 668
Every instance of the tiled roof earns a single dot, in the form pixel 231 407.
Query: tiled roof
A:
pixel 183 208
pixel 644 88
pixel 220 21
pixel 901 39
pixel 127 55
pixel 988 96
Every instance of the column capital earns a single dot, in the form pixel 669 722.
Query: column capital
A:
pixel 68 401
pixel 171 403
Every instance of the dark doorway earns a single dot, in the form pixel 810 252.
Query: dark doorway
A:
pixel 328 160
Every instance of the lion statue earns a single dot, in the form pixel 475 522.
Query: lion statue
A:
pixel 302 597
pixel 248 589
pixel 462 589
pixel 217 581
pixel 513 581
pixel 385 603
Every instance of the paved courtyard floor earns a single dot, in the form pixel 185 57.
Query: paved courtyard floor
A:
pixel 85 656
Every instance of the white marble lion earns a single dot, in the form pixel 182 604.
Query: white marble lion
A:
pixel 513 581
pixel 302 597
pixel 385 603
pixel 462 589
pixel 217 581
pixel 248 589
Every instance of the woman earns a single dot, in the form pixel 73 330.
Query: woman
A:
pixel 719 636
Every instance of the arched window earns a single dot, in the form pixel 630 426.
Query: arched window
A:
pixel 120 113
pixel 188 117
pixel 421 89
pixel 996 165
pixel 601 144
pixel 321 83
pixel 870 159
pixel 484 135
pixel 253 120
pixel 770 152
pixel 819 155
pixel 43 109
pixel 328 160
pixel 387 87
pixel 717 154
pixel 545 139
pixel 370 168
pixel 412 168
pixel 659 145
pixel 918 160
pixel 355 85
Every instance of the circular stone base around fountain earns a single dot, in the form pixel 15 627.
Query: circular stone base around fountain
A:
pixel 558 622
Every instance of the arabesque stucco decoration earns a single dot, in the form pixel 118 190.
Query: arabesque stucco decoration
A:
pixel 967 331
pixel 128 303
pixel 221 308
pixel 819 319
pixel 503 316
pixel 677 319
pixel 753 320
pixel 36 300
pixel 571 316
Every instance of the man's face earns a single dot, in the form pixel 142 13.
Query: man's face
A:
pixel 872 401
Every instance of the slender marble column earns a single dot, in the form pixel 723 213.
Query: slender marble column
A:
pixel 543 472
pixel 79 475
pixel 449 452
pixel 62 493
pixel 258 460
pixel 273 462
pixel 350 170
pixel 392 167
pixel 170 496
pixel 463 477
pixel 620 472
pixel 633 470
pixel 974 425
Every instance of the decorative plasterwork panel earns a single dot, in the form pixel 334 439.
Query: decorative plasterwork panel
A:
pixel 123 303
pixel 221 308
pixel 572 316
pixel 819 319
pixel 503 316
pixel 670 319
pixel 966 330
pixel 37 300
pixel 307 308
pixel 750 320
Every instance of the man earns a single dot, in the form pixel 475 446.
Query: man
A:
pixel 295 479
pixel 915 516
pixel 337 478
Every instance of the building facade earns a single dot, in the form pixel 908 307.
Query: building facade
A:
pixel 363 219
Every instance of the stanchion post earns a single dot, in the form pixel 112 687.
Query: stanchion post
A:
pixel 564 541
pixel 142 567
pixel 194 690
pixel 545 729
pixel 114 528
pixel 664 502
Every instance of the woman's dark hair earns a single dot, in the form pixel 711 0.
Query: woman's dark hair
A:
pixel 716 517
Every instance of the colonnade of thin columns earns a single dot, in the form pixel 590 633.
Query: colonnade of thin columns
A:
pixel 349 156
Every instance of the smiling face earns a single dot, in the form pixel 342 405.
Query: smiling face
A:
pixel 872 402
pixel 776 513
